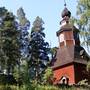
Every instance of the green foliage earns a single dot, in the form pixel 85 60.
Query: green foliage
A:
pixel 24 73
pixel 21 16
pixel 47 88
pixel 83 11
pixel 88 66
pixel 23 26
pixel 39 87
pixel 16 73
pixel 9 43
pixel 83 82
pixel 73 20
pixel 39 50
pixel 6 87
pixel 53 52
pixel 48 76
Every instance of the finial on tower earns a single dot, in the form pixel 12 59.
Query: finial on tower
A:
pixel 65 3
pixel 66 12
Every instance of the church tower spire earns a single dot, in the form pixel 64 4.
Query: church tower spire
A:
pixel 65 34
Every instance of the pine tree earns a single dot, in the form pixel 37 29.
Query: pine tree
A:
pixel 39 49
pixel 9 40
pixel 23 25
pixel 2 55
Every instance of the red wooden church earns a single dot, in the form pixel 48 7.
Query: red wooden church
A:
pixel 69 65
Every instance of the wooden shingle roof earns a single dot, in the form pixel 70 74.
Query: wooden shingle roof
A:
pixel 70 55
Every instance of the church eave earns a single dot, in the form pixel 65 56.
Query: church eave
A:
pixel 63 29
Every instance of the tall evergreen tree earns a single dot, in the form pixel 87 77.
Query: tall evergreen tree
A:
pixel 39 49
pixel 83 11
pixel 9 40
pixel 23 25
pixel 2 54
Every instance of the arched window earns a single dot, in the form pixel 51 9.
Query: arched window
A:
pixel 64 80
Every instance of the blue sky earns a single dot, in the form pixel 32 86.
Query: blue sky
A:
pixel 48 10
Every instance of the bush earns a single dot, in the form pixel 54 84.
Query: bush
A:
pixel 47 88
pixel 83 82
pixel 43 87
pixel 6 87
pixel 7 79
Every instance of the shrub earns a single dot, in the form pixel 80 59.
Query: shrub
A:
pixel 47 87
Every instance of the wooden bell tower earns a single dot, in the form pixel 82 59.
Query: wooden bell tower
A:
pixel 70 62
pixel 65 34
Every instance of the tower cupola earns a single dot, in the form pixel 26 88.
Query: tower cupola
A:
pixel 66 13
